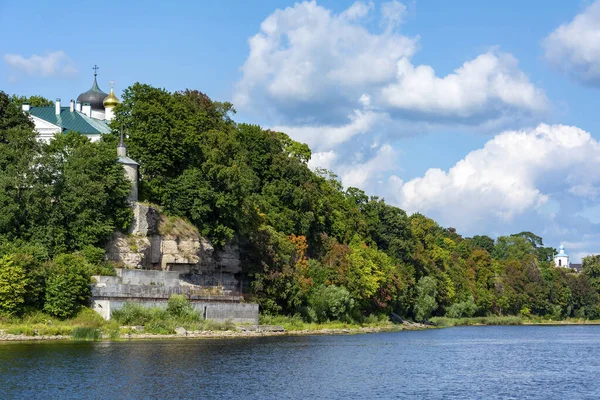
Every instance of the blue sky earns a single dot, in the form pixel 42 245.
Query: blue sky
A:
pixel 481 115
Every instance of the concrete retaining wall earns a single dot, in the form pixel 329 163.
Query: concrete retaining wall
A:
pixel 148 277
pixel 239 313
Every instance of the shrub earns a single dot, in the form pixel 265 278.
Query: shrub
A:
pixel 463 309
pixel 180 307
pixel 13 286
pixel 88 318
pixel 67 285
pixel 425 302
pixel 134 314
pixel 331 303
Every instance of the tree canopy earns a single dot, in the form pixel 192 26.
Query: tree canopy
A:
pixel 308 246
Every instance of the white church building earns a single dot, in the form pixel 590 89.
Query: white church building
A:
pixel 89 115
pixel 562 260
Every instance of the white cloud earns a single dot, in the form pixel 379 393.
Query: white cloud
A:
pixel 514 174
pixel 359 174
pixel 575 47
pixel 324 159
pixel 50 64
pixel 310 68
pixel 325 137
pixel 309 63
pixel 485 86
pixel 357 10
pixel 392 14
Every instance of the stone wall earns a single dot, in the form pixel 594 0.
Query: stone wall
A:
pixel 239 313
pixel 154 288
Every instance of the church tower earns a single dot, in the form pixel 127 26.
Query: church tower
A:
pixel 110 102
pixel 131 169
pixel 562 259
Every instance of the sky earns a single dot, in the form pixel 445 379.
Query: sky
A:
pixel 481 115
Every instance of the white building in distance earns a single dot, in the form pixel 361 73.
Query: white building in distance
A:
pixel 89 116
pixel 562 260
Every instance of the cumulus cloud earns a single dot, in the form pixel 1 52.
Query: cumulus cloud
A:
pixel 308 63
pixel 361 172
pixel 324 137
pixel 50 64
pixel 575 47
pixel 516 173
pixel 309 67
pixel 487 86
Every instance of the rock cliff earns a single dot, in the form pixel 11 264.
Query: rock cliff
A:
pixel 158 242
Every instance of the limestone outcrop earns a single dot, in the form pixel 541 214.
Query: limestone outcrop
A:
pixel 159 242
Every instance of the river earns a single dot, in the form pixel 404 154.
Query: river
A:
pixel 543 362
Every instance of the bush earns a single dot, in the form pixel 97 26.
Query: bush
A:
pixel 463 309
pixel 425 302
pixel 179 307
pixel 95 258
pixel 67 285
pixel 135 314
pixel 331 303
pixel 13 286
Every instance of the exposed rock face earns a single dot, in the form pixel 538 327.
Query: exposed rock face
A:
pixel 145 220
pixel 170 244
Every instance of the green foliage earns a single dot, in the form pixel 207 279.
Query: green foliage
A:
pixel 67 285
pixel 86 333
pixel 462 309
pixel 13 286
pixel 308 247
pixel 425 302
pixel 33 101
pixel 331 303
pixel 179 312
pixel 179 307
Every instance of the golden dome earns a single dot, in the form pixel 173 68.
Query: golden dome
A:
pixel 111 100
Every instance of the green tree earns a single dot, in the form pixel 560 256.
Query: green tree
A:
pixel 67 285
pixel 484 242
pixel 425 303
pixel 13 286
pixel 34 101
pixel 591 269
pixel 331 303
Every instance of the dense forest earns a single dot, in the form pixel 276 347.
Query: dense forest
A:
pixel 309 246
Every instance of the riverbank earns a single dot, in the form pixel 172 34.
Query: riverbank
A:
pixel 130 333
pixel 443 322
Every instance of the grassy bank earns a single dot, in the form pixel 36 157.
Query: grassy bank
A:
pixel 296 323
pixel 444 322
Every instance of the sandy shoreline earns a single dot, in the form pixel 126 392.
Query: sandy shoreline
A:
pixel 5 337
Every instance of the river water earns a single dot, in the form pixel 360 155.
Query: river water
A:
pixel 543 362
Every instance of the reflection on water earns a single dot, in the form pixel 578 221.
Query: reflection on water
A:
pixel 472 362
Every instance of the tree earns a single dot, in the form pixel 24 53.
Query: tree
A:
pixel 331 303
pixel 484 242
pixel 13 286
pixel 591 268
pixel 67 285
pixel 425 303
pixel 34 101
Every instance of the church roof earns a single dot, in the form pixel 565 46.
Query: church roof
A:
pixel 576 267
pixel 94 96
pixel 70 121
pixel 126 160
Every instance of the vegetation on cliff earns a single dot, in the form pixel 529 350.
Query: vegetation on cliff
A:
pixel 309 247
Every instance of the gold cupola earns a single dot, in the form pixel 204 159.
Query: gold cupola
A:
pixel 111 100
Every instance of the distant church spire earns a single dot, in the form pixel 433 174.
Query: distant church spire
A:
pixel 121 148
